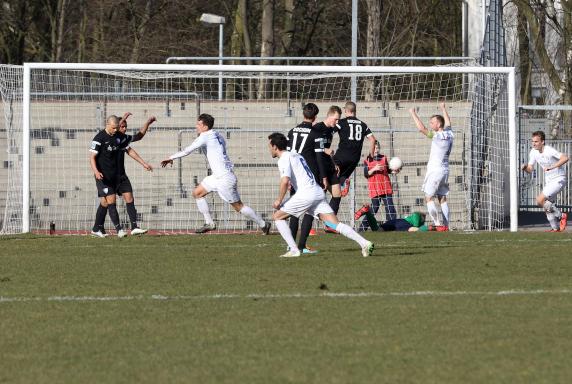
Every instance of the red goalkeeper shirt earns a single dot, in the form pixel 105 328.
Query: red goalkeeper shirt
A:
pixel 378 182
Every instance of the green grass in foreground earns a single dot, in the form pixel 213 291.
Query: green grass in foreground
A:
pixel 231 311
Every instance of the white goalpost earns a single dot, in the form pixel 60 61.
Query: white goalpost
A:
pixel 52 111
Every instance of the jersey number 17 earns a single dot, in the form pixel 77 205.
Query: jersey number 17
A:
pixel 304 137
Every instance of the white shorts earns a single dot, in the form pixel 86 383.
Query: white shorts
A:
pixel 298 205
pixel 552 188
pixel 436 184
pixel 224 185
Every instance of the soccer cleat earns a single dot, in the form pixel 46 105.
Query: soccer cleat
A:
pixel 206 228
pixel 121 233
pixel 138 231
pixel 563 222
pixel 309 251
pixel 291 254
pixel 552 230
pixel 362 211
pixel 442 228
pixel 98 234
pixel 330 230
pixel 313 232
pixel 367 250
pixel 346 188
pixel 266 228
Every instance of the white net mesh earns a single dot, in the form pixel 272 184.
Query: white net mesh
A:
pixel 68 107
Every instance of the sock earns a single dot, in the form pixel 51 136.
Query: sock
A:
pixel 554 222
pixel 307 222
pixel 348 232
pixel 549 206
pixel 286 234
pixel 114 216
pixel 294 223
pixel 445 210
pixel 100 218
pixel 203 207
pixel 132 213
pixel 432 211
pixel 249 212
pixel 335 204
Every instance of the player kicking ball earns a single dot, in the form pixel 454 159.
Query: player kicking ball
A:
pixel 222 180
pixel 552 162
pixel 309 198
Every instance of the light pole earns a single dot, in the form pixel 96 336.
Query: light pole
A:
pixel 209 18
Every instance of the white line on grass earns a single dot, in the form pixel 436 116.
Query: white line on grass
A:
pixel 512 292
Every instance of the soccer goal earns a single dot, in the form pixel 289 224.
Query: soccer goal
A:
pixel 52 112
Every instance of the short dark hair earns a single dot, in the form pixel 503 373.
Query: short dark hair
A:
pixel 333 109
pixel 441 120
pixel 279 140
pixel 310 111
pixel 207 120
pixel 539 134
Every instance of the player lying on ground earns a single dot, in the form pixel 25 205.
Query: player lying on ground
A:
pixel 309 197
pixel 436 182
pixel 105 148
pixel 412 223
pixel 552 163
pixel 222 180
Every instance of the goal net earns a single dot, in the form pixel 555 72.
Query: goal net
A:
pixel 69 104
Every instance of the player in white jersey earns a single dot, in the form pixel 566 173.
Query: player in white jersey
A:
pixel 222 180
pixel 309 197
pixel 552 162
pixel 436 179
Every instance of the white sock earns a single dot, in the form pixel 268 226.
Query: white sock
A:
pixel 249 212
pixel 286 234
pixel 554 222
pixel 445 210
pixel 348 232
pixel 433 214
pixel 203 207
pixel 549 206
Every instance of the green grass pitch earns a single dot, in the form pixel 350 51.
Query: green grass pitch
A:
pixel 426 308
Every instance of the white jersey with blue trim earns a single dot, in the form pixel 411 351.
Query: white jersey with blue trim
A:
pixel 214 147
pixel 293 166
pixel 441 146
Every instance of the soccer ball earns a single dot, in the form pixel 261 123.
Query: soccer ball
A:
pixel 395 164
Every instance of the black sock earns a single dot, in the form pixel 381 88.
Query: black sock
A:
pixel 335 204
pixel 100 218
pixel 132 212
pixel 114 216
pixel 305 230
pixel 294 223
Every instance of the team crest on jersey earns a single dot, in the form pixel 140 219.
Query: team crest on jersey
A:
pixel 105 190
pixel 109 148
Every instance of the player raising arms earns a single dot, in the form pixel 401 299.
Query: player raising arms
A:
pixel 436 180
pixel 309 197
pixel 104 162
pixel 352 132
pixel 552 162
pixel 222 180
pixel 301 140
pixel 124 187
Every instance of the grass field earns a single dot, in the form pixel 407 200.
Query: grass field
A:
pixel 426 308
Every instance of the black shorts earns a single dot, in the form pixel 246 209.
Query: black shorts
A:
pixel 396 225
pixel 347 166
pixel 105 187
pixel 332 176
pixel 123 185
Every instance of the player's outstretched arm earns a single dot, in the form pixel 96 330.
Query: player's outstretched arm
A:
pixel 139 135
pixel 125 117
pixel 134 155
pixel 420 126
pixel 166 162
pixel 445 115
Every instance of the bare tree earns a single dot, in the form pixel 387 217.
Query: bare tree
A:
pixel 373 43
pixel 267 45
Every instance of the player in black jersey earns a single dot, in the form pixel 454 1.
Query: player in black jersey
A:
pixel 301 140
pixel 103 160
pixel 324 153
pixel 352 132
pixel 124 187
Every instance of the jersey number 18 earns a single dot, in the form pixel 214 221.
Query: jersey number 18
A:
pixel 357 130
